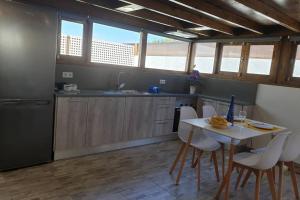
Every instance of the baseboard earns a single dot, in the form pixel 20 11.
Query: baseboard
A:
pixel 58 155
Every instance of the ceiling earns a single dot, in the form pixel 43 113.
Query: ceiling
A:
pixel 202 18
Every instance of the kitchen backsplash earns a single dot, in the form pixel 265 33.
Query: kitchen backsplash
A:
pixel 105 78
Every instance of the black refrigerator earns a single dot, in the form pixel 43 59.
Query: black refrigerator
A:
pixel 27 71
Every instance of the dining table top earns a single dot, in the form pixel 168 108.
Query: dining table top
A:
pixel 239 131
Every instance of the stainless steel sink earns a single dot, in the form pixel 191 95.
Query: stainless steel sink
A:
pixel 111 92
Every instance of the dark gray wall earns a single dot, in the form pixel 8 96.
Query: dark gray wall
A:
pixel 104 77
pixel 243 91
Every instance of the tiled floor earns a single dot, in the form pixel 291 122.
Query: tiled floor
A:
pixel 138 173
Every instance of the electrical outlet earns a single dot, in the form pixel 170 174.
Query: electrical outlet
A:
pixel 162 81
pixel 67 74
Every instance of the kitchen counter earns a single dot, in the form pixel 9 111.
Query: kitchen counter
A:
pixel 95 93
pixel 100 93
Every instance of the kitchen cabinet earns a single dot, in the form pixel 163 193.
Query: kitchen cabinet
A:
pixel 105 120
pixel 139 117
pixel 165 108
pixel 164 115
pixel 86 125
pixel 71 123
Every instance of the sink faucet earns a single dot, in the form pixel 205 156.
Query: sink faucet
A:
pixel 120 85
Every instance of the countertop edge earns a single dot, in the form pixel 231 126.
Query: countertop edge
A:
pixel 96 94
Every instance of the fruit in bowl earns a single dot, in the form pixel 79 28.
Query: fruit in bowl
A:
pixel 218 122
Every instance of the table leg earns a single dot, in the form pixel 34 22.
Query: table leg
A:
pixel 185 151
pixel 226 180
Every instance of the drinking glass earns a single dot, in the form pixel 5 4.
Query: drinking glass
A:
pixel 242 115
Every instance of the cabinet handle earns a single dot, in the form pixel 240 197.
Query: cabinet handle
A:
pixel 75 100
pixel 161 122
pixel 166 106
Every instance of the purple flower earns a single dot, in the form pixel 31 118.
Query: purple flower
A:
pixel 194 76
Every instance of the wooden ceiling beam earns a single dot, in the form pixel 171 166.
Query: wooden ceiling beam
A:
pixel 144 14
pixel 181 14
pixel 163 19
pixel 208 8
pixel 272 13
pixel 85 9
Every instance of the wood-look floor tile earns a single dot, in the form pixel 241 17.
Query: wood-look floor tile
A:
pixel 139 173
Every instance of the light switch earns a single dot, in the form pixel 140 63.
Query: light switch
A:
pixel 67 74
pixel 162 81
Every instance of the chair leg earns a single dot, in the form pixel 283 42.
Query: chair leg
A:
pixel 196 160
pixel 177 159
pixel 239 178
pixel 257 184
pixel 294 179
pixel 193 158
pixel 280 181
pixel 198 168
pixel 246 178
pixel 274 174
pixel 271 183
pixel 223 159
pixel 214 156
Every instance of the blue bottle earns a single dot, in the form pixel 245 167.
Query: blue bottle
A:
pixel 230 114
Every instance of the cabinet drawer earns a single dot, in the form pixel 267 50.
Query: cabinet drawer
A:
pixel 165 100
pixel 163 127
pixel 78 99
pixel 164 112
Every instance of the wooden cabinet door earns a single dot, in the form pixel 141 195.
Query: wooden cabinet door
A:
pixel 163 128
pixel 105 120
pixel 139 117
pixel 164 108
pixel 164 115
pixel 71 121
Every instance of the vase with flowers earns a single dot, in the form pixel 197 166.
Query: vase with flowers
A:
pixel 194 79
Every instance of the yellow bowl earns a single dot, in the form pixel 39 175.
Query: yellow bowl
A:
pixel 219 126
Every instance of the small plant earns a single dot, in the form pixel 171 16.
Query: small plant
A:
pixel 194 76
pixel 194 79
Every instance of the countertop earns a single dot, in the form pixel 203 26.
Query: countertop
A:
pixel 100 93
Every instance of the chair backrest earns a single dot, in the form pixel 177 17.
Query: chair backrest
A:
pixel 186 112
pixel 208 111
pixel 291 149
pixel 271 155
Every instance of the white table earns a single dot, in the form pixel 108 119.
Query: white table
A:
pixel 236 132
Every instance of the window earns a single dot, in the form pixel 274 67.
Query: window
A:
pixel 205 57
pixel 260 59
pixel 71 38
pixel 165 53
pixel 296 71
pixel 231 58
pixel 115 46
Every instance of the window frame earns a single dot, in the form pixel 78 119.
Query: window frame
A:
pixel 189 55
pixel 290 79
pixel 227 74
pixel 193 57
pixel 85 59
pixel 262 78
pixel 85 37
pixel 245 53
pixel 114 25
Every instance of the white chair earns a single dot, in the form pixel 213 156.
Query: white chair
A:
pixel 262 162
pixel 209 111
pixel 290 153
pixel 201 142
